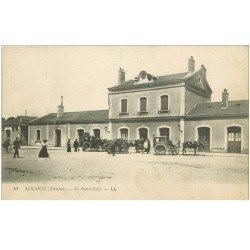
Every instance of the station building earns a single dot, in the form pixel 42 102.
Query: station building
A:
pixel 16 127
pixel 177 106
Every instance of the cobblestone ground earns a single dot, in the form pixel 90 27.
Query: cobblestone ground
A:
pixel 97 175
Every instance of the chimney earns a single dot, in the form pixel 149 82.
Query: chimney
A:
pixel 26 113
pixel 225 97
pixel 60 108
pixel 191 65
pixel 121 76
pixel 204 70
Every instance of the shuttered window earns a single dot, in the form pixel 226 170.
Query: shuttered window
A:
pixel 143 104
pixel 124 106
pixel 164 102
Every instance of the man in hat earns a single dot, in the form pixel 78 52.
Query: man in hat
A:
pixel 76 145
pixel 16 145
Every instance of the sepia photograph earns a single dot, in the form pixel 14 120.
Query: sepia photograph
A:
pixel 125 123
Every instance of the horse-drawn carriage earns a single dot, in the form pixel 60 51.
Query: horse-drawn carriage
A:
pixel 92 143
pixel 118 146
pixel 163 145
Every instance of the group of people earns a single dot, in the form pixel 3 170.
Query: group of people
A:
pixel 16 145
pixel 75 145
pixel 44 152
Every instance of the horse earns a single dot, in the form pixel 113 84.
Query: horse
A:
pixel 192 144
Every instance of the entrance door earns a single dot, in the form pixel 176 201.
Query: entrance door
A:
pixel 24 135
pixel 234 139
pixel 204 137
pixel 80 134
pixel 124 133
pixel 143 133
pixel 58 134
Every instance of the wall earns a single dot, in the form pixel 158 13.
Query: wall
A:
pixel 13 134
pixel 133 134
pixel 48 132
pixel 153 102
pixel 218 135
pixel 191 99
pixel 89 128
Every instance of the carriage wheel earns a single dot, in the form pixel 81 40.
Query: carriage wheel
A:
pixel 86 147
pixel 174 151
pixel 160 150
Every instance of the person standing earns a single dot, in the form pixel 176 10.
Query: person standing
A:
pixel 145 146
pixel 76 145
pixel 43 152
pixel 148 148
pixel 68 146
pixel 17 146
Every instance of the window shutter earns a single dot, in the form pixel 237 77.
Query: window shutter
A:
pixel 143 104
pixel 164 102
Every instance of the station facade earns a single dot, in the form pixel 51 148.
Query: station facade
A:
pixel 177 106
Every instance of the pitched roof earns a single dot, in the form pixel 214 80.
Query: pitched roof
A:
pixel 166 79
pixel 214 109
pixel 19 120
pixel 94 116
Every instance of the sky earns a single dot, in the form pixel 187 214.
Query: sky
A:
pixel 34 77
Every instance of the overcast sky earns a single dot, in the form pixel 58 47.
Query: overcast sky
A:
pixel 35 77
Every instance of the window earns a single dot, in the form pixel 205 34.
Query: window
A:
pixel 38 135
pixel 124 133
pixel 164 132
pixel 7 133
pixel 143 104
pixel 97 132
pixel 164 103
pixel 124 106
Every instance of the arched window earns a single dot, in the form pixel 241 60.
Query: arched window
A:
pixel 124 106
pixel 143 104
pixel 164 103
pixel 164 132
pixel 143 133
pixel 97 132
pixel 124 133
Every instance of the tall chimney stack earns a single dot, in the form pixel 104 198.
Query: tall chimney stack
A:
pixel 60 108
pixel 191 65
pixel 26 113
pixel 225 97
pixel 121 76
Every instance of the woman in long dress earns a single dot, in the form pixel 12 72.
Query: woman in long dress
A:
pixel 43 152
pixel 68 146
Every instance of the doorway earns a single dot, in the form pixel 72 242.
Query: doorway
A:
pixel 124 133
pixel 143 133
pixel 58 135
pixel 80 135
pixel 204 137
pixel 234 139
